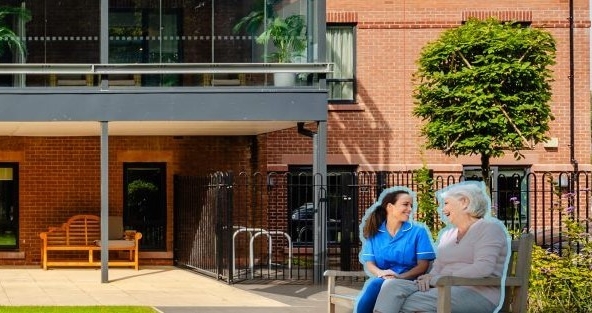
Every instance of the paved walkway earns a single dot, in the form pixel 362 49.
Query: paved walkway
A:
pixel 169 289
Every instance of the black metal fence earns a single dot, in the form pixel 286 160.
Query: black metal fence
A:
pixel 255 226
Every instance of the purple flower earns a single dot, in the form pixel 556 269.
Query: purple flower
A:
pixel 514 200
pixel 569 195
pixel 569 209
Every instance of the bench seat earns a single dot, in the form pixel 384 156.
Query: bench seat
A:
pixel 516 283
pixel 83 233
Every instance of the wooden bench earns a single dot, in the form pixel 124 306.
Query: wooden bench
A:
pixel 516 283
pixel 83 233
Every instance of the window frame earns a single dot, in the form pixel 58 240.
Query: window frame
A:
pixel 353 79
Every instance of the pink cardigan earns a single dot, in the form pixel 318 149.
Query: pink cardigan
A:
pixel 482 252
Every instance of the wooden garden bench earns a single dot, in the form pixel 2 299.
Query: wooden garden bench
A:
pixel 83 233
pixel 516 283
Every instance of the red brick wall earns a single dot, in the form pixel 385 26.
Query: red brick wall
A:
pixel 60 176
pixel 379 132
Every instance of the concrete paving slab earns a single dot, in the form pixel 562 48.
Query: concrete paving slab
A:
pixel 166 288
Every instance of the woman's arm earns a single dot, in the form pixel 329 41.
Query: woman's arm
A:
pixel 421 267
pixel 376 271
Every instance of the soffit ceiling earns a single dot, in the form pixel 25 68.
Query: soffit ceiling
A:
pixel 140 128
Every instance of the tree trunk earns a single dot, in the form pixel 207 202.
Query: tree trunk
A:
pixel 485 172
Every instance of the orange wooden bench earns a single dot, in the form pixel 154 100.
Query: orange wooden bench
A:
pixel 83 233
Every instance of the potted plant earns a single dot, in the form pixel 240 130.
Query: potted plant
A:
pixel 289 39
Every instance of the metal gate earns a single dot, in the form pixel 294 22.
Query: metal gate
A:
pixel 200 207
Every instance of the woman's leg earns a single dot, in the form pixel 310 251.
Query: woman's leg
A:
pixel 463 300
pixel 393 294
pixel 367 298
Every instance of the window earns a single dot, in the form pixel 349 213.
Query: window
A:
pixel 509 193
pixel 341 52
pixel 145 203
pixel 9 221
pixel 145 36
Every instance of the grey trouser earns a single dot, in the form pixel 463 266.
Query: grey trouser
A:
pixel 402 296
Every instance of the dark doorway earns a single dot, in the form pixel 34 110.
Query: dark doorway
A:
pixel 9 207
pixel 144 196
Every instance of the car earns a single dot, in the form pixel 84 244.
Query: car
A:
pixel 302 225
pixel 304 212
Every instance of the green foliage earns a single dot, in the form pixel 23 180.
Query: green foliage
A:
pixel 558 284
pixel 254 20
pixel 9 38
pixel 426 202
pixel 139 190
pixel 563 283
pixel 287 35
pixel 484 87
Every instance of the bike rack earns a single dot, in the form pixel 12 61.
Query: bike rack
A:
pixel 238 230
pixel 268 233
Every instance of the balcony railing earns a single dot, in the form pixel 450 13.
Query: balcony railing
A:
pixel 186 75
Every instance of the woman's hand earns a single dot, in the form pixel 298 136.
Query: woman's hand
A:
pixel 423 282
pixel 387 274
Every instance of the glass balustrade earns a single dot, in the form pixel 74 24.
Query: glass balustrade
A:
pixel 192 33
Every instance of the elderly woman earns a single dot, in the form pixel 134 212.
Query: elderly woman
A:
pixel 394 247
pixel 473 245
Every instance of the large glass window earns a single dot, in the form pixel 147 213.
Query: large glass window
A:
pixel 65 31
pixel 341 52
pixel 138 35
pixel 142 31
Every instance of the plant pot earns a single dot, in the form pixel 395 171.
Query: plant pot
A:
pixel 284 79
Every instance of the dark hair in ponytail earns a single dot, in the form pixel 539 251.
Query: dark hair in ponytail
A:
pixel 377 217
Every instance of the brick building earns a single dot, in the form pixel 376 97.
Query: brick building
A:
pixel 376 131
pixel 163 123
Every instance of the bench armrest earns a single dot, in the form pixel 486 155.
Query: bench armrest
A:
pixel 464 281
pixel 336 273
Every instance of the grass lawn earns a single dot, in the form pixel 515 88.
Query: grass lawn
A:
pixel 76 309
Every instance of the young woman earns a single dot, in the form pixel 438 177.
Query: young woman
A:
pixel 394 247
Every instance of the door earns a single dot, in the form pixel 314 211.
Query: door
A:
pixel 9 220
pixel 145 203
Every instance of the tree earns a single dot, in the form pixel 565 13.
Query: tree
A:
pixel 483 88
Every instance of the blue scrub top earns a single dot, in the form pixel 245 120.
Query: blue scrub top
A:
pixel 401 252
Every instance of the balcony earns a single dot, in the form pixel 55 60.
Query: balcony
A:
pixel 69 99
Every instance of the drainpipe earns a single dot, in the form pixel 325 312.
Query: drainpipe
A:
pixel 319 173
pixel 573 160
pixel 303 131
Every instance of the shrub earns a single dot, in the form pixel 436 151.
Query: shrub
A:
pixel 557 284
pixel 563 283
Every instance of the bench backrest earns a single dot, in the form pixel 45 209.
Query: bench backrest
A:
pixel 516 291
pixel 79 230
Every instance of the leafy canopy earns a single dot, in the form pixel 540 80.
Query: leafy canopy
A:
pixel 484 87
